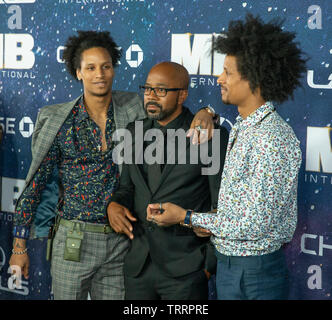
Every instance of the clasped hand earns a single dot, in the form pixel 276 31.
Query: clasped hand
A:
pixel 170 215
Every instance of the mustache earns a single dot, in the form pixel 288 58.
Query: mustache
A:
pixel 153 103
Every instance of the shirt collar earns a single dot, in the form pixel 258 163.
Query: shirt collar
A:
pixel 254 117
pixel 82 113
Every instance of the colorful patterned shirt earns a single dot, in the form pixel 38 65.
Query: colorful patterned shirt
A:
pixel 87 175
pixel 257 205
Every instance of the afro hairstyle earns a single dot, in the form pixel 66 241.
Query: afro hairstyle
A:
pixel 85 40
pixel 266 56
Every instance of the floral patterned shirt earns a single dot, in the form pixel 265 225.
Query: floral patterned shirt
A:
pixel 87 175
pixel 257 205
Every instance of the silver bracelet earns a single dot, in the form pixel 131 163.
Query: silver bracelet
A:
pixel 20 252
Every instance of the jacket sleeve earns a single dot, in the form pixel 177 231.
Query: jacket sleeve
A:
pixel 124 195
pixel 31 196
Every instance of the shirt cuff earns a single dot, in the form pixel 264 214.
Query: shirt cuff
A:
pixel 21 232
pixel 206 221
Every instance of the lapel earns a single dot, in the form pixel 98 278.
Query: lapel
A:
pixel 139 153
pixel 54 119
pixel 119 111
pixel 127 107
pixel 57 118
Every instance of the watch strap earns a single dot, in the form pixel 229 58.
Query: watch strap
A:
pixel 187 218
pixel 211 111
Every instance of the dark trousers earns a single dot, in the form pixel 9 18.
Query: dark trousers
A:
pixel 153 284
pixel 253 277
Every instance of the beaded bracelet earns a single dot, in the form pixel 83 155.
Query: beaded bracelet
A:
pixel 20 252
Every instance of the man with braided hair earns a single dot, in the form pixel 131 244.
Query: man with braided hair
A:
pixel 257 207
pixel 72 146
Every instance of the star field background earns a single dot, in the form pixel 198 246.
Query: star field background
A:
pixel 150 24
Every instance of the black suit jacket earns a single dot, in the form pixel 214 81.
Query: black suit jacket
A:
pixel 175 249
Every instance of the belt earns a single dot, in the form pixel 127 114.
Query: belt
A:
pixel 86 226
pixel 250 261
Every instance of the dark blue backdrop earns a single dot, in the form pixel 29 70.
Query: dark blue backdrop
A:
pixel 32 35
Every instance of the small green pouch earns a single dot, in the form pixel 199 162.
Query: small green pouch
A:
pixel 73 244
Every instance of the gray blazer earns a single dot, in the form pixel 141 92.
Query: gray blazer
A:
pixel 128 107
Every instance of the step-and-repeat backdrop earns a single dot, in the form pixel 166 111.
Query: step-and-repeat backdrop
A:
pixel 32 74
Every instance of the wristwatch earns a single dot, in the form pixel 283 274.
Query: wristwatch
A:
pixel 187 223
pixel 212 112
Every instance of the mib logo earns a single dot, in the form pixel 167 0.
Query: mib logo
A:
pixel 16 48
pixel 16 51
pixel 319 150
pixel 194 52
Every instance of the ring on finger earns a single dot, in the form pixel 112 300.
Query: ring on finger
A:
pixel 198 128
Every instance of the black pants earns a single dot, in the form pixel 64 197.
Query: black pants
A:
pixel 153 284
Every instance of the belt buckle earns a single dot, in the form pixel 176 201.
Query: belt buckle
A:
pixel 105 228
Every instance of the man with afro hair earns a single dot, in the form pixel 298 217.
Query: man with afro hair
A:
pixel 72 169
pixel 257 207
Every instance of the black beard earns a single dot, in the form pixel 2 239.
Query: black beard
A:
pixel 162 114
pixel 153 115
